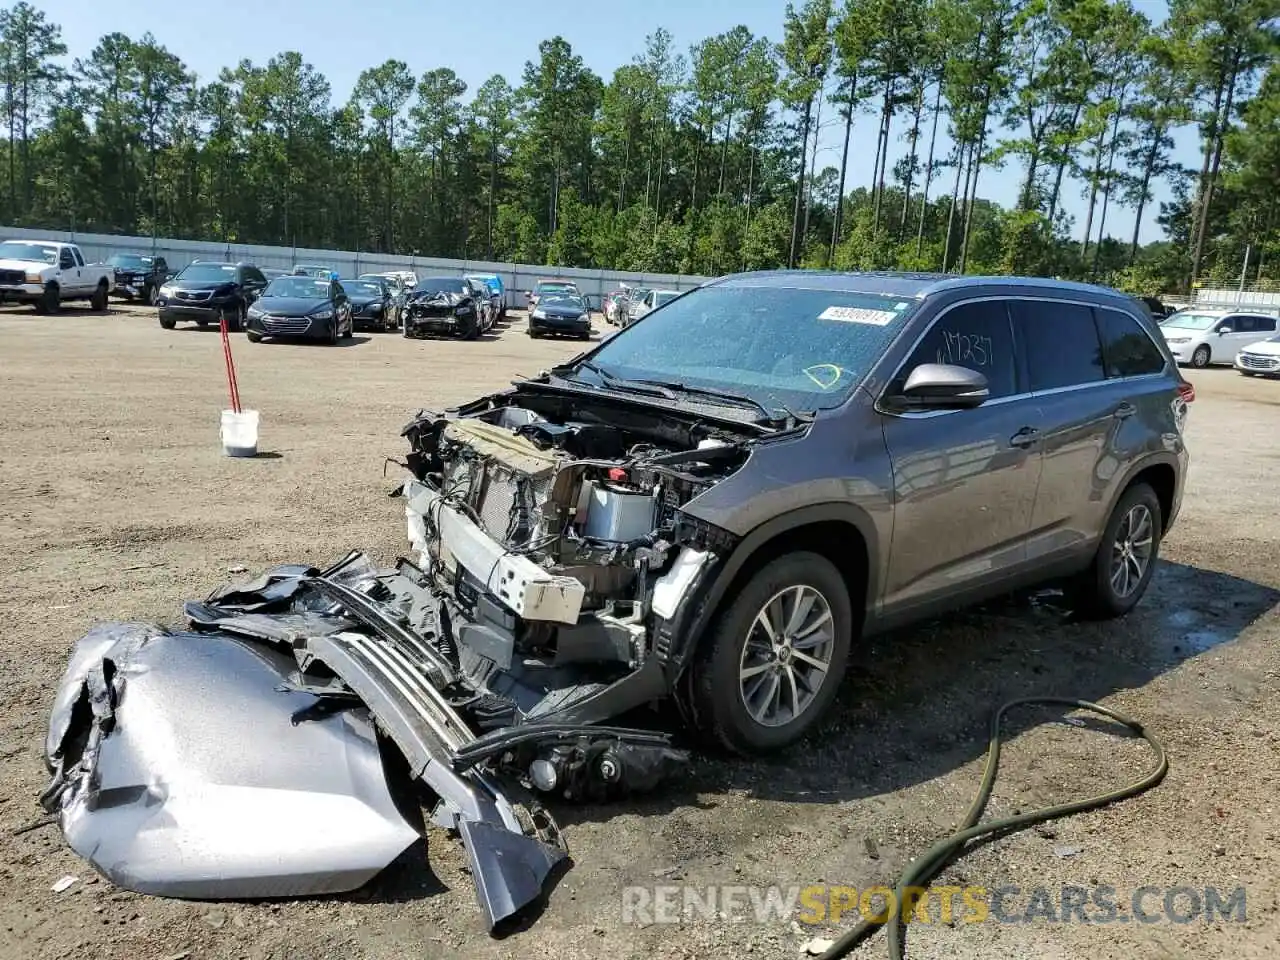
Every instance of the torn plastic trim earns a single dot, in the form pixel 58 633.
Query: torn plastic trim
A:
pixel 371 615
pixel 509 866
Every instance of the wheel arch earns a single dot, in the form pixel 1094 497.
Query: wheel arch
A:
pixel 841 532
pixel 1160 472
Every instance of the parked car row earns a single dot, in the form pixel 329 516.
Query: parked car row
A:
pixel 312 301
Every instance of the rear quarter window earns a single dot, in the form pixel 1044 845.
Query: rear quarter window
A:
pixel 1127 349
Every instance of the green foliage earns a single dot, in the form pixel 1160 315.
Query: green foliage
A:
pixel 705 162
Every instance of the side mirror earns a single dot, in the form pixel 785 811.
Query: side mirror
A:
pixel 944 385
pixel 1222 330
pixel 169 276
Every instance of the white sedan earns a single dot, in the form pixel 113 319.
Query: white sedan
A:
pixel 1261 357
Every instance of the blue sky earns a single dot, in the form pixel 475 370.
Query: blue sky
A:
pixel 342 37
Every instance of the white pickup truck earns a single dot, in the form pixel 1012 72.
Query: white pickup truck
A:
pixel 47 273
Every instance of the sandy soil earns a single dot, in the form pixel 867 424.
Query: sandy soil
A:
pixel 119 504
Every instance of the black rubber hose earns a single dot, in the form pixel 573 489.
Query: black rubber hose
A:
pixel 921 871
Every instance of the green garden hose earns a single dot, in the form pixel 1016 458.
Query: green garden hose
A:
pixel 921 871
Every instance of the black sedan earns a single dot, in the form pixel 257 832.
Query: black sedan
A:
pixel 371 304
pixel 449 305
pixel 311 308
pixel 561 313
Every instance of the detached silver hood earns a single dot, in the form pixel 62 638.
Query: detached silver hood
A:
pixel 182 768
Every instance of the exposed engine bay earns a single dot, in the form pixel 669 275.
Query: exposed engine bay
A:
pixel 552 539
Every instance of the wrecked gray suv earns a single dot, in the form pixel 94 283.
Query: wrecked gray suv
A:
pixel 717 505
pixel 721 500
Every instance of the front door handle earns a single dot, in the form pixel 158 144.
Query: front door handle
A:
pixel 1026 437
pixel 1125 410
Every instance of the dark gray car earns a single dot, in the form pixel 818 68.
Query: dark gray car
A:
pixel 718 505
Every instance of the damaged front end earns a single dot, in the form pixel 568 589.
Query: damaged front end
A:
pixel 262 751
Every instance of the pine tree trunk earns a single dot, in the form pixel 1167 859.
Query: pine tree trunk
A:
pixel 913 138
pixel 928 169
pixel 795 214
pixel 1211 183
pixel 961 154
pixel 813 163
pixel 838 220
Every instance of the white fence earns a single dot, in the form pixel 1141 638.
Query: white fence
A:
pixel 1268 300
pixel 516 277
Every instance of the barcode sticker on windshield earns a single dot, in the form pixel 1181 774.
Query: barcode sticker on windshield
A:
pixel 878 318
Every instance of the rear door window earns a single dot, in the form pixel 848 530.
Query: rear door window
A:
pixel 1060 342
pixel 1127 349
pixel 976 335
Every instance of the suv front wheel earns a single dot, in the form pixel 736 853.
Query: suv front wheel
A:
pixel 1126 557
pixel 775 657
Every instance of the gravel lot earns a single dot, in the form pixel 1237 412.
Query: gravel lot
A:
pixel 119 504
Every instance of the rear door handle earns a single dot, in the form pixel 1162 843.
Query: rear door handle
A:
pixel 1026 437
pixel 1125 410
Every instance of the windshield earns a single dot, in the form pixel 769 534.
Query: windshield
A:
pixel 806 349
pixel 441 285
pixel 29 251
pixel 564 300
pixel 547 289
pixel 202 272
pixel 131 261
pixel 311 288
pixel 363 288
pixel 1192 321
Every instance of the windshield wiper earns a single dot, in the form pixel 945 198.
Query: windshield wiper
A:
pixel 740 399
pixel 615 382
pixel 669 390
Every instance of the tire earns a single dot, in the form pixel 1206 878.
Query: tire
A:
pixel 717 690
pixel 98 302
pixel 1248 373
pixel 168 322
pixel 150 294
pixel 1096 594
pixel 351 329
pixel 1201 357
pixel 234 318
pixel 50 300
pixel 333 333
pixel 253 337
pixel 473 330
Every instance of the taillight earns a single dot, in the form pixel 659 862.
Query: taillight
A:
pixel 1186 392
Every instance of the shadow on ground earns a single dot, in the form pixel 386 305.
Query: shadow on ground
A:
pixel 919 703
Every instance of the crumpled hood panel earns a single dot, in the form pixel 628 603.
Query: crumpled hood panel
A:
pixel 181 768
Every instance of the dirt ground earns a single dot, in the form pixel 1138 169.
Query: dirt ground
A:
pixel 118 504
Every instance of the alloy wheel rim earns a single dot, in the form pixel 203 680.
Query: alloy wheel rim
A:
pixel 787 656
pixel 1131 551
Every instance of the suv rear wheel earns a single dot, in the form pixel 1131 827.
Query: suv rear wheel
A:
pixel 1125 559
pixel 774 659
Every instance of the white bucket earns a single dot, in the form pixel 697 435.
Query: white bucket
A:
pixel 240 433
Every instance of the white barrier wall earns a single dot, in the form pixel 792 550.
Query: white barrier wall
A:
pixel 1268 300
pixel 517 277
